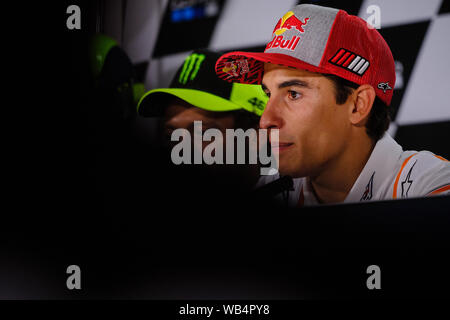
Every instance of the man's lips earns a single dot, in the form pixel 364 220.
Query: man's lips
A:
pixel 281 146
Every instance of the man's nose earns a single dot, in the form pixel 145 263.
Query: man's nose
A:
pixel 271 117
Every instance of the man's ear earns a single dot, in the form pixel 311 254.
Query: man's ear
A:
pixel 363 98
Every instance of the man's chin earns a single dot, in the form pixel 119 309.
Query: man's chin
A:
pixel 294 169
pixel 289 171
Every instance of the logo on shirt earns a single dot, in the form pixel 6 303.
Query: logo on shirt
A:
pixel 367 195
pixel 406 184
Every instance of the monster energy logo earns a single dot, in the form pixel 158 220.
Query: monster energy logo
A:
pixel 190 67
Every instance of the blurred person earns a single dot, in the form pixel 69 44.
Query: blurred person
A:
pixel 330 77
pixel 196 94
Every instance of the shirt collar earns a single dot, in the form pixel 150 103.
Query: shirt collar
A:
pixel 379 167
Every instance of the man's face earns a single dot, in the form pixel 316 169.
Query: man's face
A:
pixel 181 115
pixel 313 129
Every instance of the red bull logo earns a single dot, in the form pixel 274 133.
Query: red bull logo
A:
pixel 237 67
pixel 287 22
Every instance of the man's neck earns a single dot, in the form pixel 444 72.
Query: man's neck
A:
pixel 334 183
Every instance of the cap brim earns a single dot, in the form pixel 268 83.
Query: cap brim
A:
pixel 248 67
pixel 152 103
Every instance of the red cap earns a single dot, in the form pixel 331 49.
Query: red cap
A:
pixel 319 39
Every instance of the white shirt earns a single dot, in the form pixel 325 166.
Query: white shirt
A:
pixel 390 173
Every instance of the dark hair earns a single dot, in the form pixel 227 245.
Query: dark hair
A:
pixel 379 118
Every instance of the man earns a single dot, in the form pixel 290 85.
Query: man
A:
pixel 196 94
pixel 329 77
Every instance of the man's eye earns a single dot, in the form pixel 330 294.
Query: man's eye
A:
pixel 294 95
